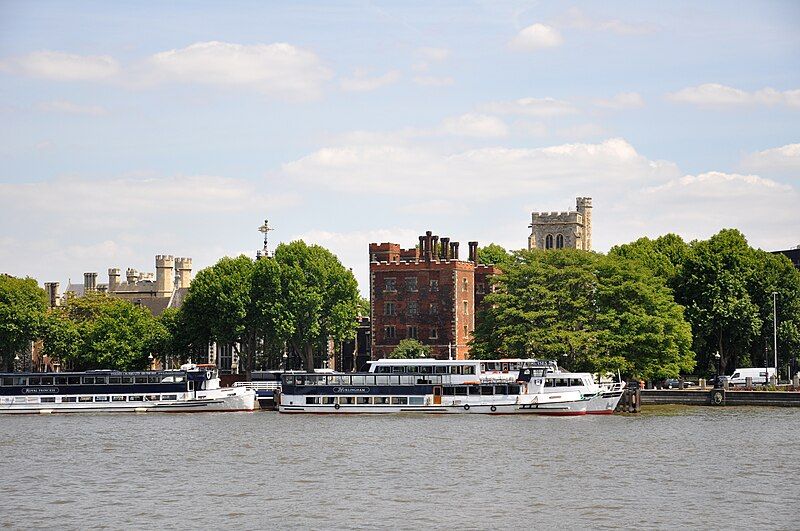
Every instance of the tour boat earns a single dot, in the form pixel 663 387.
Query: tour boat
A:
pixel 426 392
pixel 603 398
pixel 189 389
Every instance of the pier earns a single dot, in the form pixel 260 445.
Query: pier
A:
pixel 719 397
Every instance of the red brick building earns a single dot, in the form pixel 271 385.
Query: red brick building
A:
pixel 425 293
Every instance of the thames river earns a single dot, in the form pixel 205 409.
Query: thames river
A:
pixel 685 467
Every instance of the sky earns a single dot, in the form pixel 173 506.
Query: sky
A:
pixel 131 129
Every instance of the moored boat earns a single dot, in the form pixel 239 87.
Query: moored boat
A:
pixel 192 388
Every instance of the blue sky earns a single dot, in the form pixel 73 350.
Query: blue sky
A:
pixel 134 129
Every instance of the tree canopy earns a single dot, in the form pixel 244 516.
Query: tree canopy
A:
pixel 410 348
pixel 494 254
pixel 22 309
pixel 590 312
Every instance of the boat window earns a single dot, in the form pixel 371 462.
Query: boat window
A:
pixel 501 389
pixel 514 389
pixel 469 369
pixel 101 399
pixel 47 380
pixel 408 380
pixel 312 400
pixel 383 369
pixel 100 380
pixel 115 379
pixel 118 398
pixel 151 398
pixel 394 380
pixel 363 400
pixel 153 379
pixel 20 380
pixel 135 398
pixel 141 379
pixel 425 369
pixel 358 380
pixel 448 391
pixel 347 400
pixel 491 366
pixel 61 380
pixel 398 368
pixel 8 381
pixel 369 380
pixel 416 400
pixel 381 400
pixel 65 399
pixel 47 399
pixel 504 367
pixel 399 400
pixel 169 397
pixel 487 390
pixel 576 381
pixel 127 379
pixel 381 380
pixel 474 390
pixel 84 399
pixel 442 369
pixel 34 380
pixel 563 382
pixel 329 400
pixel 87 380
pixel 461 390
pixel 549 382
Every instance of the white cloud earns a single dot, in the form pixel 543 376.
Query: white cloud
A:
pixel 434 54
pixel 352 248
pixel 541 107
pixel 277 68
pixel 362 82
pixel 780 160
pixel 536 37
pixel 68 107
pixel 433 81
pixel 475 125
pixel 477 174
pixel 575 18
pixel 62 66
pixel 623 100
pixel 716 95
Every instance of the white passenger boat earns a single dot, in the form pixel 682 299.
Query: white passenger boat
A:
pixel 426 392
pixel 603 398
pixel 192 388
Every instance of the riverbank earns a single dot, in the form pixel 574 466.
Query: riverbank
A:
pixel 720 397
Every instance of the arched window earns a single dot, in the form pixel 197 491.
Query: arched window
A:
pixel 559 242
pixel 548 241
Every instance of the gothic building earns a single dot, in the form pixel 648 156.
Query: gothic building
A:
pixel 557 230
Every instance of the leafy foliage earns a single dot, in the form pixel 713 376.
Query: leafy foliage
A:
pixel 22 309
pixel 410 348
pixel 494 254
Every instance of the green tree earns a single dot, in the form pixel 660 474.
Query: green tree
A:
pixel 664 256
pixel 589 311
pixel 494 254
pixel 410 348
pixel 22 310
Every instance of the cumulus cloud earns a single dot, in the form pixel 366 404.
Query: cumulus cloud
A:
pixel 68 107
pixel 536 37
pixel 716 95
pixel 360 81
pixel 62 66
pixel 621 101
pixel 784 160
pixel 540 107
pixel 278 68
pixel 475 125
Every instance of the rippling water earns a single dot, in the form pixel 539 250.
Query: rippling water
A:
pixel 668 467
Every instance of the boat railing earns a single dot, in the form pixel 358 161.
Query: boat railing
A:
pixel 259 386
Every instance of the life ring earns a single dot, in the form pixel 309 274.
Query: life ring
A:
pixel 493 408
pixel 717 398
pixel 336 406
pixel 466 407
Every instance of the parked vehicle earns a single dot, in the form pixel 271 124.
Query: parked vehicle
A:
pixel 675 383
pixel 760 375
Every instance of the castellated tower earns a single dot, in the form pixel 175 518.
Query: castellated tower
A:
pixel 557 230
pixel 184 275
pixel 131 275
pixel 165 271
pixel 113 279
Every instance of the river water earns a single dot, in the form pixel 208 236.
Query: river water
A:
pixel 685 467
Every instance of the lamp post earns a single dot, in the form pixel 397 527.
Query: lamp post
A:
pixel 285 359
pixel 150 361
pixel 775 331
pixel 719 369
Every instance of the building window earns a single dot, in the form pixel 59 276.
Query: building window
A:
pixel 559 242
pixel 465 331
pixel 434 285
pixel 434 333
pixel 480 289
pixel 433 309
pixel 466 308
pixel 412 308
pixel 413 332
pixel 411 283
pixel 388 308
pixel 389 332
pixel 464 285
pixel 389 284
pixel 548 242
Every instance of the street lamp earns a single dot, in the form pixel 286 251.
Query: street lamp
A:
pixel 285 359
pixel 719 368
pixel 775 331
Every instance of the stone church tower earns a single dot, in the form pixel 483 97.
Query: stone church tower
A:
pixel 557 230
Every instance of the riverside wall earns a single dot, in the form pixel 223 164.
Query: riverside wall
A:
pixel 720 397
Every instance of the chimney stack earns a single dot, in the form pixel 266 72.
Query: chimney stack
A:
pixel 89 282
pixel 428 247
pixel 52 293
pixel 454 250
pixel 473 252
pixel 113 279
pixel 445 252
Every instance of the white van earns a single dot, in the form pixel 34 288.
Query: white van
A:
pixel 760 375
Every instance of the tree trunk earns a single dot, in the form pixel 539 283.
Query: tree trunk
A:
pixel 308 357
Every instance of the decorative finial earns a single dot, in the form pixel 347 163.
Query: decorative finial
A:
pixel 265 228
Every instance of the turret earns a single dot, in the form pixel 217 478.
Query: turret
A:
pixel 131 275
pixel 184 272
pixel 165 280
pixel 113 279
pixel 584 207
pixel 52 293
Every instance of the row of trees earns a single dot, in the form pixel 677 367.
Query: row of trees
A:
pixel 651 308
